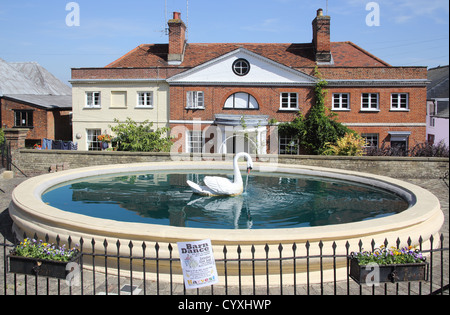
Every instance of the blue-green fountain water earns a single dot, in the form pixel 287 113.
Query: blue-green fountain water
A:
pixel 270 201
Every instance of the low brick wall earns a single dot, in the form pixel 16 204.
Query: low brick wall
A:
pixel 36 162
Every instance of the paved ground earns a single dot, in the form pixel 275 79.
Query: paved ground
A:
pixel 122 285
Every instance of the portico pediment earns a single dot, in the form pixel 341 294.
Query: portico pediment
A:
pixel 242 67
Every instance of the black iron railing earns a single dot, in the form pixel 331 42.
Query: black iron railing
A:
pixel 268 273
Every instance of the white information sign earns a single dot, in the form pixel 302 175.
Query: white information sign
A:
pixel 198 264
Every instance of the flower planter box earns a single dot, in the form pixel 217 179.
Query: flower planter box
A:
pixel 41 267
pixel 388 273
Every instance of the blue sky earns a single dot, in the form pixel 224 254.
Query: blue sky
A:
pixel 411 32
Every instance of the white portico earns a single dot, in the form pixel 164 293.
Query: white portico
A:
pixel 241 133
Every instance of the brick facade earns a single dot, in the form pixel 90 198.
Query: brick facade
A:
pixel 348 69
pixel 379 122
pixel 50 124
pixel 268 99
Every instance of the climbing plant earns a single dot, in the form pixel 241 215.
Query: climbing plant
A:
pixel 320 128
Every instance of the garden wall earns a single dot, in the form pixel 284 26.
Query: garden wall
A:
pixel 36 162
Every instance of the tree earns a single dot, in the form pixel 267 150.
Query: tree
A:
pixel 141 137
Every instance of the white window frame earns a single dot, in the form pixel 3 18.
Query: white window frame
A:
pixel 93 139
pixel 195 100
pixel 289 104
pixel 288 146
pixel 340 106
pixel 432 122
pixel 370 139
pixel 147 98
pixel 374 107
pixel 233 101
pixel 91 95
pixel 396 101
pixel 194 137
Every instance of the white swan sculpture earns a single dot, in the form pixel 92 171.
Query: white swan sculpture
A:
pixel 220 186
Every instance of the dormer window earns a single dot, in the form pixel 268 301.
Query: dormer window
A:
pixel 241 67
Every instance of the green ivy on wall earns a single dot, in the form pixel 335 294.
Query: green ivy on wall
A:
pixel 320 128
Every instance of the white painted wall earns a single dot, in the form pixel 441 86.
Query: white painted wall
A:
pixel 102 118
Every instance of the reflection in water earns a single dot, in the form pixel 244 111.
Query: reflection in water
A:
pixel 271 201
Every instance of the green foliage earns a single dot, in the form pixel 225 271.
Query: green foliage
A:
pixel 141 137
pixel 2 137
pixel 349 145
pixel 320 128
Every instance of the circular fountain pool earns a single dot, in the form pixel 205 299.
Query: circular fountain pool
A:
pixel 421 216
pixel 271 201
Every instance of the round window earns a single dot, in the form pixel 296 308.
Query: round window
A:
pixel 241 67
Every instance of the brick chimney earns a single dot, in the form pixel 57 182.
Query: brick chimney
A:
pixel 321 37
pixel 177 39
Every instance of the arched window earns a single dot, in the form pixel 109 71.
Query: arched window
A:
pixel 241 101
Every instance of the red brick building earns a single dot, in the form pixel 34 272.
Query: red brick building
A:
pixel 33 99
pixel 224 98
pixel 45 116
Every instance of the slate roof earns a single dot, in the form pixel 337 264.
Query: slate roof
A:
pixel 30 83
pixel 42 77
pixel 44 101
pixel 15 82
pixel 292 55
pixel 438 88
pixel 29 78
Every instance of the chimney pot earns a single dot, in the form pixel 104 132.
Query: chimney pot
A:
pixel 320 12
pixel 176 15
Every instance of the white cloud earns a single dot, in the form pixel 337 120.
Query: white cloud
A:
pixel 411 9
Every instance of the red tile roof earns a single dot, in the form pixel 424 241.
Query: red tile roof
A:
pixel 345 54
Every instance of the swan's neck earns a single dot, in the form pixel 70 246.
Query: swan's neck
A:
pixel 237 172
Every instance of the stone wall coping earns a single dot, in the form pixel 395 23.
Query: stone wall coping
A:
pixel 261 157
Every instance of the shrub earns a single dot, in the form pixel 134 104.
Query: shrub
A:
pixel 2 137
pixel 420 150
pixel 350 145
pixel 141 137
pixel 430 150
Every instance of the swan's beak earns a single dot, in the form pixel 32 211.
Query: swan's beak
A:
pixel 249 169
